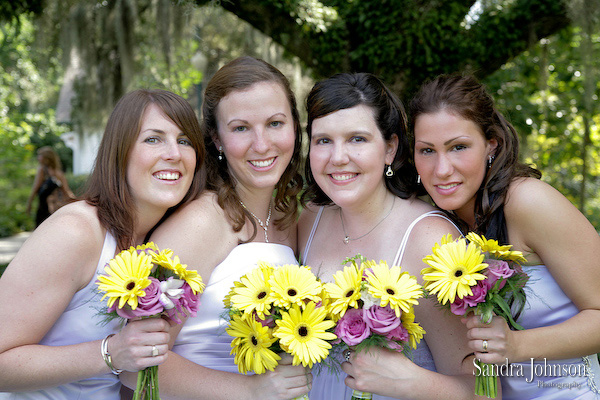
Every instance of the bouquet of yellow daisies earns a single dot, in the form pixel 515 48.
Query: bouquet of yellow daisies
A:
pixel 373 305
pixel 278 309
pixel 477 274
pixel 147 282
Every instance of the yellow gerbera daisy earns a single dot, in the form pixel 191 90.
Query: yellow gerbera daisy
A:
pixel 345 292
pixel 251 345
pixel 304 333
pixel 293 284
pixel 392 286
pixel 126 278
pixel 492 247
pixel 165 259
pixel 147 247
pixel 254 292
pixel 454 269
pixel 415 331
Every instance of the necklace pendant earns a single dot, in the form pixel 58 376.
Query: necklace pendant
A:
pixel 346 239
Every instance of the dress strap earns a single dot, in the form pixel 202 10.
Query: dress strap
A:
pixel 312 234
pixel 402 248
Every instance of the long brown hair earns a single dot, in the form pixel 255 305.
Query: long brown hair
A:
pixel 240 74
pixel 107 187
pixel 347 90
pixel 468 98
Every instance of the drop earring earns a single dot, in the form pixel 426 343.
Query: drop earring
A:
pixel 490 160
pixel 418 179
pixel 220 153
pixel 388 171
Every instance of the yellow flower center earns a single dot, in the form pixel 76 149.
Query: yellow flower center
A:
pixel 130 285
pixel 261 295
pixel 390 291
pixel 292 292
pixel 350 293
pixel 254 340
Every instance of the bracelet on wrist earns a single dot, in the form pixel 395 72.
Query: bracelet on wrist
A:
pixel 106 355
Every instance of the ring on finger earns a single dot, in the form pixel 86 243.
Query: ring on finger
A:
pixel 154 350
pixel 485 345
pixel 347 355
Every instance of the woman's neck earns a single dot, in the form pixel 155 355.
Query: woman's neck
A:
pixel 359 220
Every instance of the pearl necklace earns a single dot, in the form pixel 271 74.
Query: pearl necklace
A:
pixel 347 238
pixel 264 225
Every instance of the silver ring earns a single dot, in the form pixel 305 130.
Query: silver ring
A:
pixel 485 345
pixel 154 351
pixel 347 355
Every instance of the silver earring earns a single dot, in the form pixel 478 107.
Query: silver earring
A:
pixel 490 160
pixel 388 171
pixel 418 179
pixel 220 153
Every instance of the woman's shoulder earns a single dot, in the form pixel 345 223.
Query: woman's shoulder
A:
pixel 76 223
pixel 531 195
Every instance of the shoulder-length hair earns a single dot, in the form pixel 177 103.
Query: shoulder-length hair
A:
pixel 240 74
pixel 468 98
pixel 107 188
pixel 347 90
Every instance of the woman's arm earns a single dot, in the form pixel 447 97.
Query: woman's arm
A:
pixel 53 264
pixel 551 231
pixel 37 182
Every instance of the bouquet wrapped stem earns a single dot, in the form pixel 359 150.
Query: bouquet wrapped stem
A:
pixel 486 384
pixel 358 395
pixel 147 384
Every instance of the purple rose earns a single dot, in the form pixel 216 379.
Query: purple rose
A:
pixel 147 305
pixel 352 328
pixel 186 304
pixel 498 269
pixel 460 306
pixel 381 319
pixel 479 292
pixel 399 333
pixel 269 322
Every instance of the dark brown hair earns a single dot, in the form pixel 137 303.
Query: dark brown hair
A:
pixel 49 158
pixel 468 98
pixel 240 74
pixel 107 187
pixel 348 90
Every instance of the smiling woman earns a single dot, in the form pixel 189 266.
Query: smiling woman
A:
pixel 57 345
pixel 467 155
pixel 252 134
pixel 361 199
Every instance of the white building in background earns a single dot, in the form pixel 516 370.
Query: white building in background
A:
pixel 83 144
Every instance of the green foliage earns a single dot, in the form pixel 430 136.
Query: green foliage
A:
pixel 23 128
pixel 542 94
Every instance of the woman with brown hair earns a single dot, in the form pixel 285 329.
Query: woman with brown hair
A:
pixel 467 157
pixel 54 343
pixel 362 200
pixel 50 185
pixel 253 140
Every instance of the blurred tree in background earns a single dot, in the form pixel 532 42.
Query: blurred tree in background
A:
pixel 539 57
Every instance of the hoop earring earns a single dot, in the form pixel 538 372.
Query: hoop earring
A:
pixel 388 171
pixel 418 179
pixel 220 153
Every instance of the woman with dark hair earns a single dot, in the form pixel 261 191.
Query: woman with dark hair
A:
pixel 55 344
pixel 50 185
pixel 362 200
pixel 466 154
pixel 248 214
